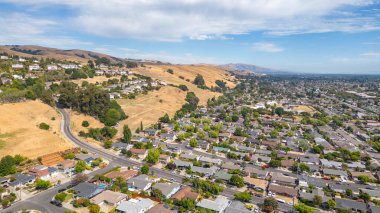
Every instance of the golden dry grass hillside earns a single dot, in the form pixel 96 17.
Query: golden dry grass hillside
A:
pixel 210 74
pixel 80 56
pixel 20 134
pixel 149 108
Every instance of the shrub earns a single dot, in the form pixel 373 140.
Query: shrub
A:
pixel 85 124
pixel 44 126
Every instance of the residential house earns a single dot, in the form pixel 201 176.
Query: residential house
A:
pixel 182 164
pixel 203 144
pixel 189 156
pixel 140 183
pixel 126 175
pixel 17 66
pixel 21 180
pixel 208 172
pixel 161 208
pixel 283 190
pixel 230 166
pixel 331 164
pixel 67 166
pixel 34 67
pixel 185 192
pixel 140 153
pixel 168 138
pixel 109 197
pixel 164 159
pixel 40 172
pixel 85 157
pixel 350 205
pixel 52 67
pixel 135 205
pixel 309 196
pixel 282 179
pixel 86 190
pixel 207 160
pixel 217 205
pixel 259 185
pixel 334 172
pixel 167 189
pixel 222 175
pixel 254 172
pixel 355 175
pixel 237 207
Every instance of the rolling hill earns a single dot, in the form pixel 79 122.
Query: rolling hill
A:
pixel 80 56
pixel 251 68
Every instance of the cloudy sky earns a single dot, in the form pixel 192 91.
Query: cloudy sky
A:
pixel 328 36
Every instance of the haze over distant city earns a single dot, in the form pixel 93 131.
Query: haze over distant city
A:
pixel 314 36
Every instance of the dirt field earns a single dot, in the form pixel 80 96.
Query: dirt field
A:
pixel 148 108
pixel 20 134
pixel 209 73
pixel 304 108
pixel 76 124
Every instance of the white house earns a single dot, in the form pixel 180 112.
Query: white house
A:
pixel 52 67
pixel 4 57
pixel 17 66
pixel 21 60
pixel 34 67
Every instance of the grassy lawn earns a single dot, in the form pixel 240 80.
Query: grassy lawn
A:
pixel 3 142
pixel 68 198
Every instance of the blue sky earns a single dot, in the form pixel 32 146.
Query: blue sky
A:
pixel 315 36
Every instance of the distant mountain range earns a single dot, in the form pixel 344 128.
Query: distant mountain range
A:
pixel 252 68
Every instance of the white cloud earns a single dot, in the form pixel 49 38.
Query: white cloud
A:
pixel 266 47
pixel 174 20
pixel 371 55
pixel 17 28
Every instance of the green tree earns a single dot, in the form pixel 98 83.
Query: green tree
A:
pixel 153 156
pixel 236 180
pixel 363 179
pixel 112 116
pixel 80 166
pixel 127 134
pixel 60 196
pixel 44 126
pixel 165 118
pixel 302 208
pixel 193 142
pixel 243 196
pixel 145 169
pixel 93 208
pixel 331 204
pixel 199 80
pixel 317 200
pixel 7 165
pixel 270 204
pixel 42 184
pixel 156 193
pixel 85 124
pixel 107 144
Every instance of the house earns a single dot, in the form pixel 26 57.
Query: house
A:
pixel 40 172
pixel 185 192
pixel 356 165
pixel 4 57
pixel 283 190
pixel 21 180
pixel 208 172
pixel 126 175
pixel 334 172
pixel 254 172
pixel 135 205
pixel 222 175
pixel 287 163
pixel 182 164
pixel 67 166
pixel 85 157
pixel 52 67
pixel 260 158
pixel 53 171
pixel 331 164
pixel 315 192
pixel 121 145
pixel 17 66
pixel 167 189
pixel 161 208
pixel 237 207
pixel 282 179
pixel 207 160
pixel 256 184
pixel 168 138
pixel 217 205
pixel 355 175
pixel 140 183
pixel 350 205
pixel 164 159
pixel 189 156
pixel 151 132
pixel 86 190
pixel 230 166
pixel 34 67
pixel 203 144
pixel 140 153
pixel 109 197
